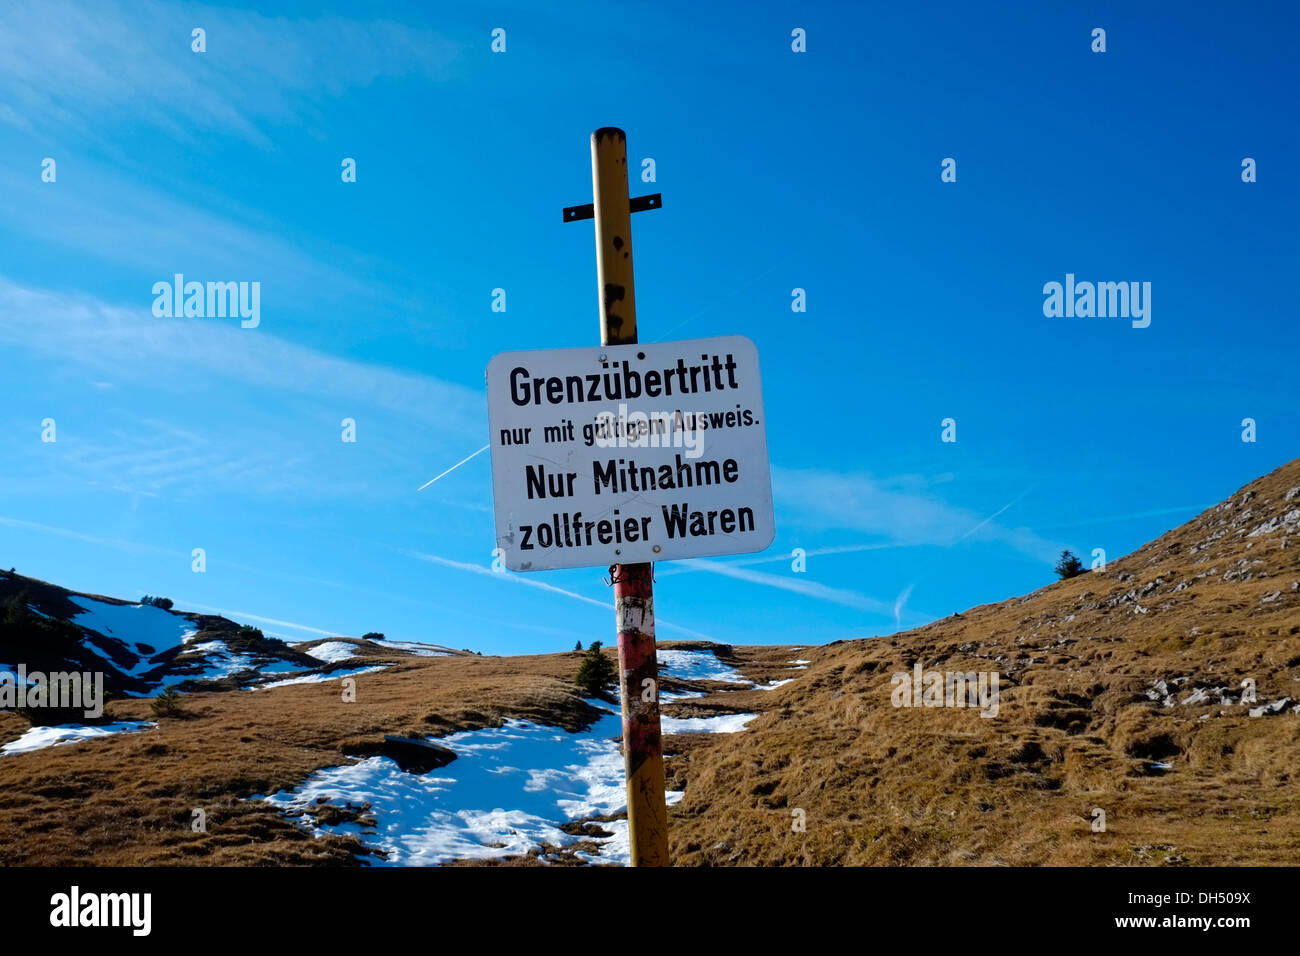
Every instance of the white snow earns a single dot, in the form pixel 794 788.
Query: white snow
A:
pixel 801 665
pixel 773 685
pixel 321 678
pixel 221 662
pixel 331 652
pixel 417 648
pixel 506 793
pixel 617 849
pixel 697 665
pixel 37 738
pixel 134 624
pixel 668 696
pixel 501 796
pixel 510 788
pixel 721 724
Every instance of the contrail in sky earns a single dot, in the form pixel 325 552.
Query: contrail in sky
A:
pixel 453 468
pixel 995 514
pixel 533 582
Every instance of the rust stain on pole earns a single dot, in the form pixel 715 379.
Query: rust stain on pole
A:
pixel 633 583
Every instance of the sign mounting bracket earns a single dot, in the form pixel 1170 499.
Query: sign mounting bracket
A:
pixel 588 210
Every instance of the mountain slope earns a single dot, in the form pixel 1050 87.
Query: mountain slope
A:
pixel 1120 691
pixel 142 649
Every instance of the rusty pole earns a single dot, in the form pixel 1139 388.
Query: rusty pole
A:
pixel 634 615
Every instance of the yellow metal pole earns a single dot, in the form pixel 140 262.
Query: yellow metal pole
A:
pixel 647 814
pixel 613 213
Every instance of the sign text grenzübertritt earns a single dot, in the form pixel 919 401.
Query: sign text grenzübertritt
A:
pixel 629 453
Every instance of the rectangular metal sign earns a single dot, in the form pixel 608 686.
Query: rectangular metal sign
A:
pixel 629 453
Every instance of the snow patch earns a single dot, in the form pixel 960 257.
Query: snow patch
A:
pixel 134 624
pixel 221 662
pixel 669 696
pixel 417 648
pixel 721 724
pixel 38 738
pixel 321 678
pixel 698 665
pixel 500 797
pixel 508 791
pixel 331 652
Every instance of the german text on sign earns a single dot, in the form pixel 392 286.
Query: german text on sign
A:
pixel 629 453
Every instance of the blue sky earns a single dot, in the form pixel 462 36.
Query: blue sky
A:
pixel 816 170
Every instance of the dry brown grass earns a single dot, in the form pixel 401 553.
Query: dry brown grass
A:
pixel 881 785
pixel 128 799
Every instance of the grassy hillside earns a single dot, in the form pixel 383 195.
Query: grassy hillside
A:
pixel 1104 677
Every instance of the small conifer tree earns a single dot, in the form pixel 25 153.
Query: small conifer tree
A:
pixel 596 673
pixel 1068 566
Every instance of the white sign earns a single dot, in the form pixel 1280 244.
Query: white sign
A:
pixel 626 454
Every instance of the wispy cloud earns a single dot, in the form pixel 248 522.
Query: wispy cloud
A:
pixel 81 79
pixel 240 616
pixel 506 576
pixel 541 585
pixel 1188 510
pixel 902 510
pixel 280 406
pixel 132 343
pixel 899 603
pixel 84 65
pixel 797 585
pixel 894 508
pixel 123 220
pixel 689 567
pixel 117 544
pixel 161 458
